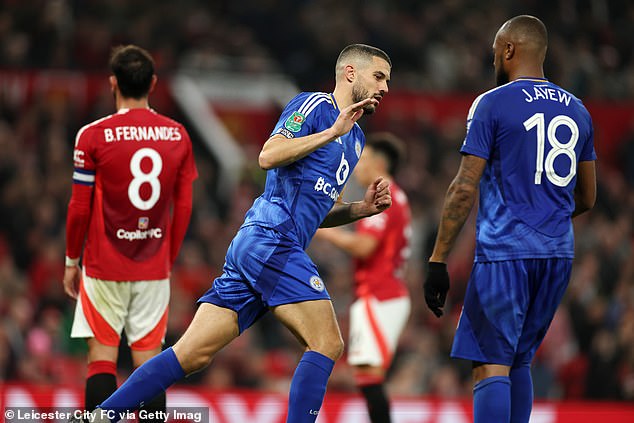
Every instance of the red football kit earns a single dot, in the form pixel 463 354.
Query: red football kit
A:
pixel 132 190
pixel 381 274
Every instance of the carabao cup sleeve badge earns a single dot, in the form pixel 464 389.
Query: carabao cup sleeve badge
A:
pixel 295 121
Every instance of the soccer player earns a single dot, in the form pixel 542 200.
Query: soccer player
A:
pixel 529 146
pixel 380 247
pixel 131 203
pixel 309 157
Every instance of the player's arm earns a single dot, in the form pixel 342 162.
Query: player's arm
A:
pixel 586 188
pixel 359 245
pixel 279 151
pixel 183 196
pixel 458 203
pixel 376 199
pixel 181 215
pixel 77 220
pixel 79 208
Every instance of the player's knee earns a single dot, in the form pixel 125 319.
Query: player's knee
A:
pixel 332 347
pixel 197 362
pixel 193 361
pixel 339 348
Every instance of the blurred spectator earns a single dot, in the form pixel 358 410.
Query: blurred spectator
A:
pixel 602 377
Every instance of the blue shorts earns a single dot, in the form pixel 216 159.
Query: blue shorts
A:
pixel 508 308
pixel 263 268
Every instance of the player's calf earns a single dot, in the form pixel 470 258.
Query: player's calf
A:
pixel 211 329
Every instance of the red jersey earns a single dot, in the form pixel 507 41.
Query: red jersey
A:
pixel 141 166
pixel 381 274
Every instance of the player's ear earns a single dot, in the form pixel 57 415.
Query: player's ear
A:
pixel 509 50
pixel 349 72
pixel 153 83
pixel 113 83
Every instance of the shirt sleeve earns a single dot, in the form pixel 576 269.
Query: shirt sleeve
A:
pixel 79 207
pixel 587 153
pixel 298 118
pixel 375 226
pixel 183 193
pixel 188 171
pixel 480 123
pixel 84 165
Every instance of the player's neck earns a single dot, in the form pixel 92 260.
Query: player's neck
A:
pixel 132 103
pixel 343 100
pixel 536 72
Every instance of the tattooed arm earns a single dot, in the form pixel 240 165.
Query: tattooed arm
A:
pixel 458 203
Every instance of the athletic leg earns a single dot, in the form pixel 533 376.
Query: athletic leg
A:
pixel 375 327
pixel 547 285
pixel 370 380
pixel 521 394
pixel 315 325
pixel 488 333
pixel 145 327
pixel 158 403
pixel 101 379
pixel 99 317
pixel 491 393
pixel 211 329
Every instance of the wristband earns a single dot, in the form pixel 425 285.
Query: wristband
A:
pixel 69 262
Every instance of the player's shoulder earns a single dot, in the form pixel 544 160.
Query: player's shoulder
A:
pixel 574 99
pixel 164 120
pixel 487 99
pixel 92 126
pixel 306 103
pixel 399 197
pixel 562 89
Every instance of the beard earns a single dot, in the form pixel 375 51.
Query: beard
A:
pixel 501 76
pixel 359 93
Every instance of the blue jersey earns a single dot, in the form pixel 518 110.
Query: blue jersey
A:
pixel 533 134
pixel 297 197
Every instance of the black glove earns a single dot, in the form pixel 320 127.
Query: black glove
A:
pixel 436 287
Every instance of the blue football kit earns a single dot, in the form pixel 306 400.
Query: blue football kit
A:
pixel 533 134
pixel 266 264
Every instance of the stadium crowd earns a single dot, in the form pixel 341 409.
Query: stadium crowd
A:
pixel 436 47
pixel 589 352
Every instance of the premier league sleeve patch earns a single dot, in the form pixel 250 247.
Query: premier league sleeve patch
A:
pixel 295 121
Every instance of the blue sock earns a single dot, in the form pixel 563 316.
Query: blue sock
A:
pixel 521 394
pixel 308 387
pixel 153 377
pixel 492 400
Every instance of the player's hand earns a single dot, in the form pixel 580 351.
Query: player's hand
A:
pixel 377 197
pixel 348 116
pixel 436 287
pixel 71 281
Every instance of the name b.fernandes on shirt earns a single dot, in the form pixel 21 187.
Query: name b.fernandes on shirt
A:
pixel 142 133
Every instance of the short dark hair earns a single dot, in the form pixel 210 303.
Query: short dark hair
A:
pixel 134 68
pixel 389 146
pixel 361 50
